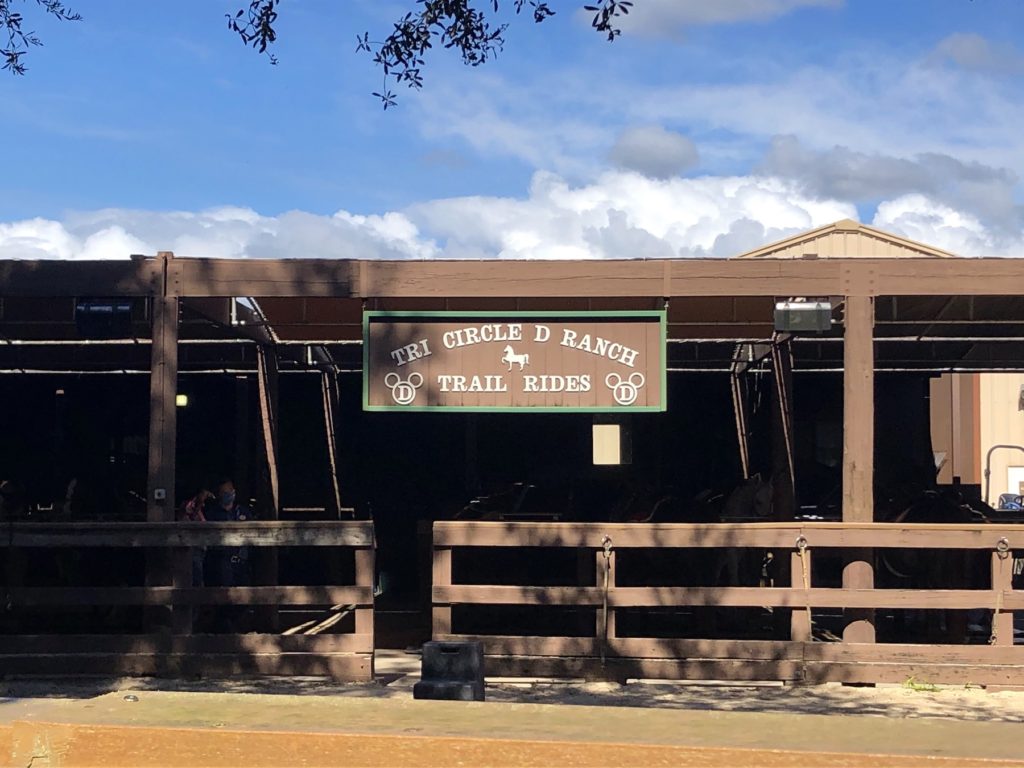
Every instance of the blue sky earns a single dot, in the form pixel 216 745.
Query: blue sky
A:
pixel 708 128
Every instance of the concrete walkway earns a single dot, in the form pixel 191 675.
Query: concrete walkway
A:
pixel 151 728
pixel 307 722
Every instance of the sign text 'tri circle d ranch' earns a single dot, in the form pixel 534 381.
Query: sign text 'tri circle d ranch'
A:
pixel 587 361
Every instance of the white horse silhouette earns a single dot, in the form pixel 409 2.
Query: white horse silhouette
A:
pixel 512 358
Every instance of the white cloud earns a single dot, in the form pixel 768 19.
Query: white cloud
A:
pixel 667 17
pixel 926 220
pixel 219 232
pixel 621 214
pixel 653 151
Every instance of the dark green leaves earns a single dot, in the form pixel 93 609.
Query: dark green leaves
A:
pixel 18 40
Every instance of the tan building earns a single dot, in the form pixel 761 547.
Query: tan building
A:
pixel 972 414
pixel 978 419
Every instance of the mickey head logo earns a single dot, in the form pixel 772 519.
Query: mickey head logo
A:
pixel 403 391
pixel 625 391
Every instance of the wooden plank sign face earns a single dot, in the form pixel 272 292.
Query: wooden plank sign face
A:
pixel 511 361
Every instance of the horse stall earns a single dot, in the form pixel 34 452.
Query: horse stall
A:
pixel 617 469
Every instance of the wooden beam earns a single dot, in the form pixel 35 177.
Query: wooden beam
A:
pixel 783 463
pixel 329 387
pixel 163 389
pixel 724 597
pixel 686 648
pixel 195 644
pixel 266 374
pixel 739 406
pixel 51 279
pixel 686 277
pixel 255 533
pixel 653 669
pixel 686 535
pixel 90 596
pixel 858 450
pixel 487 279
pixel 265 564
pixel 340 666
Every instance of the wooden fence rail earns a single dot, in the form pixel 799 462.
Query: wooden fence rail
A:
pixel 175 650
pixel 606 654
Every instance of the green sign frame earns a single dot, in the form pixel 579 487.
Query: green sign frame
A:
pixel 659 315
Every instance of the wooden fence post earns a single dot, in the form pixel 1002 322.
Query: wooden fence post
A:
pixel 364 578
pixel 800 618
pixel 601 564
pixel 1002 581
pixel 442 577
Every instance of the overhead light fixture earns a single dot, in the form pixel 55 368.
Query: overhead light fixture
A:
pixel 181 400
pixel 803 316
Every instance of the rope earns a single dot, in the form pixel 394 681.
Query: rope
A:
pixel 1003 553
pixel 606 546
pixel 805 568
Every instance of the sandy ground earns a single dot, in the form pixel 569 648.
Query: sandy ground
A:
pixel 397 672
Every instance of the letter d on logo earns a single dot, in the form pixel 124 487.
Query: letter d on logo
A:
pixel 542 333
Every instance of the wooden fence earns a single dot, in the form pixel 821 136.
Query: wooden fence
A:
pixel 168 647
pixel 798 659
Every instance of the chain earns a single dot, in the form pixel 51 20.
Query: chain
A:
pixel 606 547
pixel 805 569
pixel 1003 553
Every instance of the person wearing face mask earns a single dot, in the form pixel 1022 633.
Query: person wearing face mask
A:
pixel 230 565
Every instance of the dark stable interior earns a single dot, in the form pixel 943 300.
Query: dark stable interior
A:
pixel 406 470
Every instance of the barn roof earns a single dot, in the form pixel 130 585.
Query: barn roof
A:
pixel 845 239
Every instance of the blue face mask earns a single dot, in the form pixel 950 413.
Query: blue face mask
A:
pixel 227 498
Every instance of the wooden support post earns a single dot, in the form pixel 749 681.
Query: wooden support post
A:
pixel 858 452
pixel 1002 581
pixel 329 387
pixel 161 566
pixel 364 578
pixel 800 619
pixel 442 577
pixel 163 389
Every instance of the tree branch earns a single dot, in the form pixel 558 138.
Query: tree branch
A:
pixel 20 41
